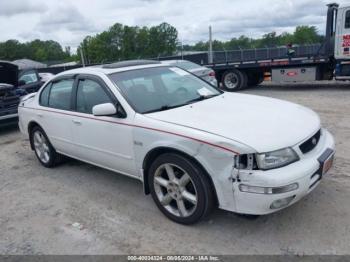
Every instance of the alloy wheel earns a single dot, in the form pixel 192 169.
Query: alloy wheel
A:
pixel 41 146
pixel 175 190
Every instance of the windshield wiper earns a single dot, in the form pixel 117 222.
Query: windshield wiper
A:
pixel 200 98
pixel 167 107
pixel 162 108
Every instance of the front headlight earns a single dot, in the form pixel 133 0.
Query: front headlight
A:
pixel 276 159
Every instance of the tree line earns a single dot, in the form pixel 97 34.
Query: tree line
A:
pixel 122 42
pixel 302 35
pixel 43 51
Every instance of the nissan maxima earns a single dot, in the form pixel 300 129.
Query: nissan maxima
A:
pixel 193 146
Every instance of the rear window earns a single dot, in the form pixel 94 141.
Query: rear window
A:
pixel 29 77
pixel 60 94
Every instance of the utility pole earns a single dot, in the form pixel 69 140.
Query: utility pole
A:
pixel 82 57
pixel 210 54
pixel 182 48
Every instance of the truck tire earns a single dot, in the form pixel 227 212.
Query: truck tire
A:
pixel 234 80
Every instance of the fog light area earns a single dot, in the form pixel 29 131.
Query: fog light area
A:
pixel 280 203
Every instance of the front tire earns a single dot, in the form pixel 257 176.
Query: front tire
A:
pixel 43 149
pixel 180 189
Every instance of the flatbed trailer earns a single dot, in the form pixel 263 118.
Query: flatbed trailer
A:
pixel 238 69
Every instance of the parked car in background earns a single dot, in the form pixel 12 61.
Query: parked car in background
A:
pixel 205 73
pixel 29 80
pixel 192 145
pixel 46 76
pixel 9 101
pixel 14 84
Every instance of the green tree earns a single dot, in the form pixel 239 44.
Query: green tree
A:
pixel 38 50
pixel 121 42
pixel 306 35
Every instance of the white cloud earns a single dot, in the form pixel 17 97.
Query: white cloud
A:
pixel 69 21
pixel 15 7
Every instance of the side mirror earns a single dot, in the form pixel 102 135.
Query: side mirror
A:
pixel 21 83
pixel 107 109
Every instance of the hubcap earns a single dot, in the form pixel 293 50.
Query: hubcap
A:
pixel 41 147
pixel 175 190
pixel 231 81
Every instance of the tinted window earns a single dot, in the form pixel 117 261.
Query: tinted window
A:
pixel 44 97
pixel 60 95
pixel 89 94
pixel 29 77
pixel 347 19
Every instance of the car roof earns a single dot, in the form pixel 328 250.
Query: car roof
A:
pixel 113 68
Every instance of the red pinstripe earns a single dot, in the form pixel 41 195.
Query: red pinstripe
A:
pixel 143 127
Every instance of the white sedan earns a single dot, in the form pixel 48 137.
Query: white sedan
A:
pixel 193 146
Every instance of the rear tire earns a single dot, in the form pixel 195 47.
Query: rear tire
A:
pixel 234 80
pixel 43 149
pixel 180 189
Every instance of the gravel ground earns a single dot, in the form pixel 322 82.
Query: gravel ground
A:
pixel 110 214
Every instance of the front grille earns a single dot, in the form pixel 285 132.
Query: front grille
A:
pixel 311 143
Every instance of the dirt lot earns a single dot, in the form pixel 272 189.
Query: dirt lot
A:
pixel 38 206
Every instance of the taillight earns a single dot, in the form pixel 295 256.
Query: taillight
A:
pixel 212 74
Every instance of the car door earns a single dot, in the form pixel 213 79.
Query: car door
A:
pixel 30 81
pixel 103 140
pixel 54 113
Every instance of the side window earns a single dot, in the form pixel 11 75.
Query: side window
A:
pixel 347 19
pixel 89 94
pixel 60 95
pixel 44 96
pixel 29 77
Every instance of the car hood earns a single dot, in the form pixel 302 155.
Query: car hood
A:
pixel 8 73
pixel 265 124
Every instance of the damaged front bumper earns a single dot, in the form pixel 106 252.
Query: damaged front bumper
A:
pixel 262 192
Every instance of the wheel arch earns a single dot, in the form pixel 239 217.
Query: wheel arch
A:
pixel 156 152
pixel 31 125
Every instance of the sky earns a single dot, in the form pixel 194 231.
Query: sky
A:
pixel 69 21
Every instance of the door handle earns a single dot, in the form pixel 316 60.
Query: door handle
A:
pixel 77 122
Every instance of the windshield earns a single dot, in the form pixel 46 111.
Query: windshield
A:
pixel 161 88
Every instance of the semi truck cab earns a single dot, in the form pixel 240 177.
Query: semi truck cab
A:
pixel 342 43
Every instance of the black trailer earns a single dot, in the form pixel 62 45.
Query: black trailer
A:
pixel 238 69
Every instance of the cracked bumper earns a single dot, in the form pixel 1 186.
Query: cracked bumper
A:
pixel 305 172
